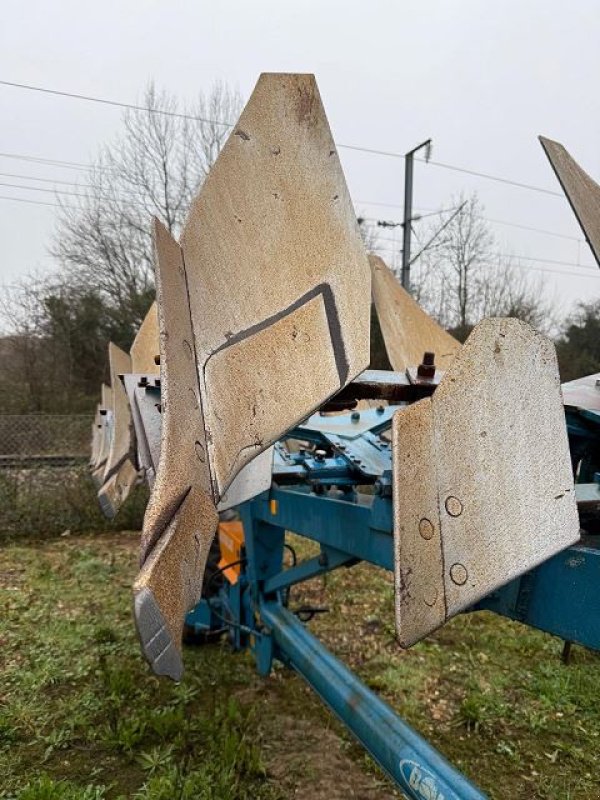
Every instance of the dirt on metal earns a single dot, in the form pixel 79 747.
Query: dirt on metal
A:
pixel 486 461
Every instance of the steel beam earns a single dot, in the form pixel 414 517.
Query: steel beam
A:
pixel 413 764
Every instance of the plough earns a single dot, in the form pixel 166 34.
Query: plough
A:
pixel 454 471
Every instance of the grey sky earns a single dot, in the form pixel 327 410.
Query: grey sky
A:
pixel 482 79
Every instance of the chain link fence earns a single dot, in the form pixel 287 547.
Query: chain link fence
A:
pixel 45 485
pixel 44 438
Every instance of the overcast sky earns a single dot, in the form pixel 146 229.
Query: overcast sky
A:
pixel 482 79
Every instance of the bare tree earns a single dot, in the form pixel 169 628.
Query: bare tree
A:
pixel 153 168
pixel 462 278
pixel 368 233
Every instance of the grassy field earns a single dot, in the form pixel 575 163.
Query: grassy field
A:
pixel 81 717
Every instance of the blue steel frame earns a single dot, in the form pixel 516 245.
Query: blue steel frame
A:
pixel 561 597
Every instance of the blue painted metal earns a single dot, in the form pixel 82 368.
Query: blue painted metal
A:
pixel 316 498
pixel 413 764
pixel 329 559
pixel 561 596
pixel 356 528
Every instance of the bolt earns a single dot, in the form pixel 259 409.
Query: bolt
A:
pixel 355 416
pixel 157 360
pixel 426 528
pixel 143 381
pixel 320 455
pixel 453 506
pixel 380 409
pixel 157 383
pixel 459 574
pixel 427 368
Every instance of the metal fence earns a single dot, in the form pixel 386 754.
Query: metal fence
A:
pixel 44 438
pixel 45 483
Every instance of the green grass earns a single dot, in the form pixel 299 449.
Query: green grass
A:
pixel 41 502
pixel 82 718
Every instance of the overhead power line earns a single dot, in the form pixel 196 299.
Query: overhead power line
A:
pixel 116 103
pixel 31 202
pixel 53 162
pixel 487 219
pixel 432 212
pixel 358 148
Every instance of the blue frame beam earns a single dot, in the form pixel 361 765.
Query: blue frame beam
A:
pixel 403 754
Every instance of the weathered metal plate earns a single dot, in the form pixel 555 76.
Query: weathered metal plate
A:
pixel 270 285
pixel 145 347
pixel 583 392
pixel 483 488
pixel 145 413
pixel 278 277
pixel 121 441
pixel 145 404
pixel 104 436
pixel 181 518
pixel 117 488
pixel 251 480
pixel 170 581
pixel 120 472
pixel 407 330
pixel 582 192
pixel 96 437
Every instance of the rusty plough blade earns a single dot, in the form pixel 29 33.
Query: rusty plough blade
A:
pixel 120 473
pixel 408 331
pixel 583 193
pixel 264 315
pixel 482 475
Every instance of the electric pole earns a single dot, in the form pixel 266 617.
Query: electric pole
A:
pixel 408 218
